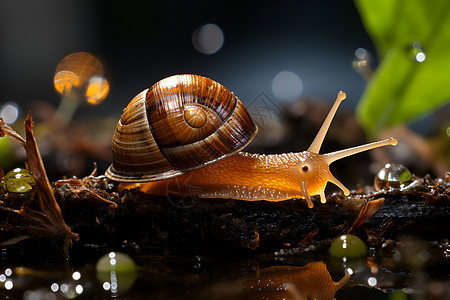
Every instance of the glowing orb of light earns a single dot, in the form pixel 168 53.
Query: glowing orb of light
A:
pixel 287 86
pixel 208 39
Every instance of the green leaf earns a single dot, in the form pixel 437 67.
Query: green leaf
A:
pixel 402 88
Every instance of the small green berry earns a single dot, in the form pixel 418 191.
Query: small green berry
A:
pixel 16 171
pixel 348 245
pixel 18 181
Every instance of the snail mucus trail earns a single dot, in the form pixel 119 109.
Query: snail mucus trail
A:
pixel 186 132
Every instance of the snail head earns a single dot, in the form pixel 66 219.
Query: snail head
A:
pixel 313 168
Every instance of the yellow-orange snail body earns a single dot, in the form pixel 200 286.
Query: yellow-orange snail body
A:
pixel 191 129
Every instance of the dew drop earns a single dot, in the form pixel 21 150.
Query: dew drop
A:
pixel 392 176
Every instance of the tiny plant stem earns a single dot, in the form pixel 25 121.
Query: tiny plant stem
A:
pixel 333 156
pixel 318 140
pixel 67 108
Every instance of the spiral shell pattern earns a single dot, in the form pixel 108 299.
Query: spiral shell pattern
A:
pixel 181 123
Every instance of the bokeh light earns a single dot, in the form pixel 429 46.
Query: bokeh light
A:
pixel 208 39
pixel 362 63
pixel 54 287
pixel 81 74
pixel 116 271
pixel 79 289
pixel 361 54
pixel 64 81
pixel 420 57
pixel 287 86
pixel 97 90
pixel 417 52
pixel 372 281
pixel 9 112
pixel 76 275
pixel 75 69
pixel 9 285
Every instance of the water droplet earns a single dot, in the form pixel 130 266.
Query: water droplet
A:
pixel 392 176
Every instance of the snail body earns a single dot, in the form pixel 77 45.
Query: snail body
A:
pixel 187 132
pixel 243 176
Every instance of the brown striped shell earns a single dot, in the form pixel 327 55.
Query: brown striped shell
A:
pixel 181 123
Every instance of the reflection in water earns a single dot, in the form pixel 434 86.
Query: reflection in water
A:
pixel 63 286
pixel 116 271
pixel 312 281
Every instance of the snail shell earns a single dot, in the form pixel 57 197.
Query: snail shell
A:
pixel 181 123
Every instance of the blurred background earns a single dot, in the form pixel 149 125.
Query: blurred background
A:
pixel 141 42
pixel 281 51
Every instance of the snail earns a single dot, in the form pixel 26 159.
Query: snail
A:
pixel 188 131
